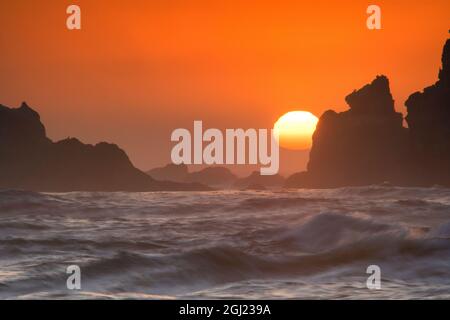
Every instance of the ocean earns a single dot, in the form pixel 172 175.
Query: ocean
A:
pixel 288 244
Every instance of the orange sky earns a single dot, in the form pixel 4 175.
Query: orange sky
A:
pixel 139 69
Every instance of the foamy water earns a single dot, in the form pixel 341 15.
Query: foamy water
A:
pixel 227 244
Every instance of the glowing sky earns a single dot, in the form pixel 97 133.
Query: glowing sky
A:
pixel 139 69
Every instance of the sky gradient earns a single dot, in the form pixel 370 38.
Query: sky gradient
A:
pixel 139 69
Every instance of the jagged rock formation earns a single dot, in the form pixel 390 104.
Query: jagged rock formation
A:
pixel 429 125
pixel 368 144
pixel 29 160
pixel 363 145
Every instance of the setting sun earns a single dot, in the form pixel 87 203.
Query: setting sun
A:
pixel 295 129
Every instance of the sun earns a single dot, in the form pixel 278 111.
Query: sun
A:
pixel 294 130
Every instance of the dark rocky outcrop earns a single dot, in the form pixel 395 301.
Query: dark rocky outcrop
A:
pixel 31 161
pixel 369 145
pixel 363 145
pixel 429 125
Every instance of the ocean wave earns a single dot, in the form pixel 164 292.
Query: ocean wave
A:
pixel 262 203
pixel 328 230
pixel 219 264
pixel 22 226
pixel 177 243
pixel 442 231
pixel 20 201
pixel 66 243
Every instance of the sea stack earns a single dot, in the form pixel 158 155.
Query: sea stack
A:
pixel 429 125
pixel 363 145
pixel 368 144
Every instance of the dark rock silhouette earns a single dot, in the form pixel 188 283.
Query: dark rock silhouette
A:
pixel 217 177
pixel 170 172
pixel 31 161
pixel 256 179
pixel 429 125
pixel 364 145
pixel 213 176
pixel 369 145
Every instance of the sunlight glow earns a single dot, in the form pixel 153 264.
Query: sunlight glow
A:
pixel 295 129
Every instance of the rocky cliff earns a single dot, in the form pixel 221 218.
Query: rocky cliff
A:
pixel 363 145
pixel 368 144
pixel 429 125
pixel 29 160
